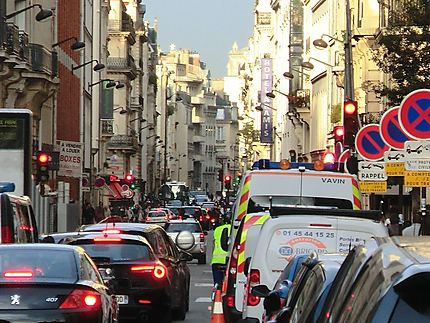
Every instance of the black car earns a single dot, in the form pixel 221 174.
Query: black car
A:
pixel 148 287
pixel 52 283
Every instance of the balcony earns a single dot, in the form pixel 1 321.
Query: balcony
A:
pixel 107 127
pixel 122 65
pixel 124 142
pixel 42 60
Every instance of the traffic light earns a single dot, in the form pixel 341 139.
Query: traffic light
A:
pixel 237 179
pixel 42 160
pixel 220 174
pixel 350 122
pixel 338 134
pixel 133 185
pixel 110 179
pixel 227 182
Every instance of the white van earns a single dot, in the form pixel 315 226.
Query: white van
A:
pixel 303 230
pixel 17 220
pixel 300 184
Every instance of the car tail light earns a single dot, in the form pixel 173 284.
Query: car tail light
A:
pixel 207 217
pixel 253 280
pixel 170 217
pixel 202 237
pixel 81 298
pixel 231 277
pixel 107 239
pixel 200 218
pixel 229 301
pixel 180 217
pixel 144 301
pixel 148 218
pixel 213 220
pixel 111 231
pixel 18 274
pixel 158 270
pixel 6 234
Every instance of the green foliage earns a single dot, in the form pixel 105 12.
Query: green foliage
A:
pixel 404 50
pixel 246 137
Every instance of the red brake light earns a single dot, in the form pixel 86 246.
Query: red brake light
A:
pixel 202 237
pixel 207 217
pixel 111 231
pixel 18 274
pixel 81 298
pixel 144 301
pixel 6 234
pixel 158 270
pixel 230 301
pixel 253 280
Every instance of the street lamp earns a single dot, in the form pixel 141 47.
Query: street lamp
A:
pixel 96 68
pixel 309 66
pixel 109 85
pixel 75 46
pixel 290 75
pixel 41 15
pixel 260 107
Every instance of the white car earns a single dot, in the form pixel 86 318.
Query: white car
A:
pixel 198 249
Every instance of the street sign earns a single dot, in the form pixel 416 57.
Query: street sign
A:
pixel 369 143
pixel 417 179
pixel 414 114
pixel 343 158
pixel 395 169
pixel 391 130
pixel 394 156
pixel 99 182
pixel 373 187
pixel 418 165
pixel 70 158
pixel 417 149
pixel 371 171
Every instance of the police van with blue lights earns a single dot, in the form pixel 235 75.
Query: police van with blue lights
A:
pixel 315 184
pixel 17 220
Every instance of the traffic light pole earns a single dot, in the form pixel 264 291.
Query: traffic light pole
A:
pixel 349 67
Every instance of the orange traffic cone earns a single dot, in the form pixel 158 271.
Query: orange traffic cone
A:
pixel 217 312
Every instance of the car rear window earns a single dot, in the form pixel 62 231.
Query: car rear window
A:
pixel 178 227
pixel 190 211
pixel 37 264
pixel 157 214
pixel 118 252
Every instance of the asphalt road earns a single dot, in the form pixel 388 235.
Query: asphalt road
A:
pixel 201 288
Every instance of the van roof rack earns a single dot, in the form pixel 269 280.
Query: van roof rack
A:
pixel 368 214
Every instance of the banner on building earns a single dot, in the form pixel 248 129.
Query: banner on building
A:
pixel 70 158
pixel 266 136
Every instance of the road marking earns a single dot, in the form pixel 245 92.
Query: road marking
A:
pixel 207 271
pixel 203 285
pixel 203 300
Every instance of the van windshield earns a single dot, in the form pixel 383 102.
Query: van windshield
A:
pixel 261 203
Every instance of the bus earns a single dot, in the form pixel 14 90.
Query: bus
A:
pixel 16 149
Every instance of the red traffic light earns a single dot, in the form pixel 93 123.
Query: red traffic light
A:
pixel 43 158
pixel 350 107
pixel 129 177
pixel 338 132
pixel 329 158
pixel 227 178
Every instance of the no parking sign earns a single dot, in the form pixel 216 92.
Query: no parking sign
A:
pixel 414 114
pixel 391 130
pixel 369 143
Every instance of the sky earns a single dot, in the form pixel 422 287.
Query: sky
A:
pixel 209 27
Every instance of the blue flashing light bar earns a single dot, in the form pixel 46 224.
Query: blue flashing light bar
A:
pixel 268 164
pixel 7 187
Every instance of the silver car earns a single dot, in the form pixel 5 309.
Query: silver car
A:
pixel 198 249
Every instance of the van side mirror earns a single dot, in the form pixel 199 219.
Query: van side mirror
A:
pixel 260 291
pixel 246 266
pixel 272 302
pixel 224 239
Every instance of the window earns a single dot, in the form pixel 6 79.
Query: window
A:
pixel 118 252
pixel 220 133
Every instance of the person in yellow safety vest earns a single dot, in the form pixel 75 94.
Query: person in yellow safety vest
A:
pixel 219 255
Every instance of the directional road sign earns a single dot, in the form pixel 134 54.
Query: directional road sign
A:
pixel 371 171
pixel 369 143
pixel 414 114
pixel 391 130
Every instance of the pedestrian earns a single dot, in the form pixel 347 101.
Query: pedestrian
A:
pixel 88 214
pixel 415 227
pixel 219 255
pixel 100 212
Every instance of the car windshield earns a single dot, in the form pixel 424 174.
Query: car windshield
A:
pixel 38 264
pixel 178 227
pixel 118 252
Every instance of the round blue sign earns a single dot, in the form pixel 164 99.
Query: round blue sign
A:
pixel 391 130
pixel 414 114
pixel 369 143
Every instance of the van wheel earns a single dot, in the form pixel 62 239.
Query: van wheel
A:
pixel 202 259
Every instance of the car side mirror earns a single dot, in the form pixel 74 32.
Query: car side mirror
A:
pixel 185 256
pixel 260 291
pixel 272 302
pixel 224 239
pixel 246 266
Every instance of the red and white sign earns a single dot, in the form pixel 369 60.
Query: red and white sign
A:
pixel 391 130
pixel 369 143
pixel 70 158
pixel 414 114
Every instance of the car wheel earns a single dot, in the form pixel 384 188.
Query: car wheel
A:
pixel 187 296
pixel 181 312
pixel 202 259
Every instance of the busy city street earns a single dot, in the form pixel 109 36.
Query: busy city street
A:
pixel 223 161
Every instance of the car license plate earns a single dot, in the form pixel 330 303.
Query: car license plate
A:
pixel 121 299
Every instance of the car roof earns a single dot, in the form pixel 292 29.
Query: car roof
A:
pixel 122 226
pixel 416 248
pixel 190 220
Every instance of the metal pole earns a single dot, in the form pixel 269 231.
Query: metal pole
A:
pixel 349 68
pixel 165 133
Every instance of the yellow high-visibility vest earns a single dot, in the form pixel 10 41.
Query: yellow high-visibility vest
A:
pixel 218 254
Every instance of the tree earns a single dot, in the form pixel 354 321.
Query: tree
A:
pixel 404 50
